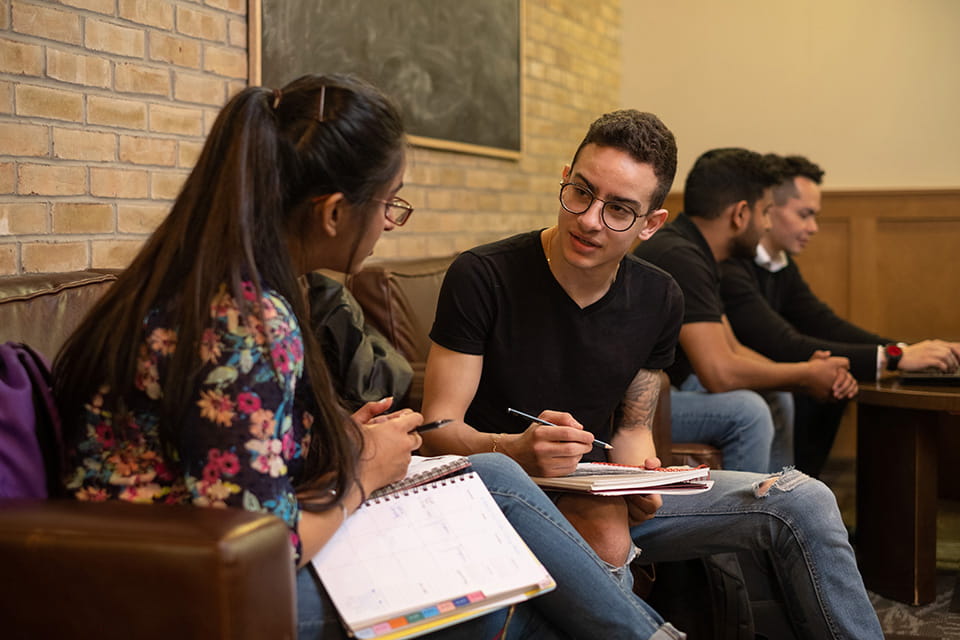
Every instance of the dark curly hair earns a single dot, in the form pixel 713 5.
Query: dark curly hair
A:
pixel 642 135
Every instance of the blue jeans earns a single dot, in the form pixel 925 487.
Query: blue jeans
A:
pixel 796 523
pixel 587 603
pixel 783 411
pixel 739 423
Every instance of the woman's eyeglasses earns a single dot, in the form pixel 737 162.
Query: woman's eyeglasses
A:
pixel 398 210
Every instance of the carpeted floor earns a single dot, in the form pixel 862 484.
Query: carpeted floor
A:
pixel 939 620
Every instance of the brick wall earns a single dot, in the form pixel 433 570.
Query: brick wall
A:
pixel 104 105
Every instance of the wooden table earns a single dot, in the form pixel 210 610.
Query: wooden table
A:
pixel 897 454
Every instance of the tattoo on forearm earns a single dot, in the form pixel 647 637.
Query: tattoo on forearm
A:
pixel 640 400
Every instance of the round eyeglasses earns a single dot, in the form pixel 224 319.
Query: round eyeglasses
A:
pixel 616 216
pixel 398 210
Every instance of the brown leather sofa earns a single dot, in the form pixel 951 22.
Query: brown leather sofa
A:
pixel 73 569
pixel 119 570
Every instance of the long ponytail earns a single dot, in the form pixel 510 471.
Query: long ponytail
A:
pixel 263 158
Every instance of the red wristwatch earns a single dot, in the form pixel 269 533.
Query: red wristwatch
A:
pixel 894 353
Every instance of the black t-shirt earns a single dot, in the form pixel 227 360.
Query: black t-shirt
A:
pixel 681 250
pixel 540 349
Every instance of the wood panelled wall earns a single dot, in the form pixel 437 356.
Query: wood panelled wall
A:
pixel 888 261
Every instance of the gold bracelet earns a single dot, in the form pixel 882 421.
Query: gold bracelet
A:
pixel 496 440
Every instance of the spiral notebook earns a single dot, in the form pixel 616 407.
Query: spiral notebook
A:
pixel 425 558
pixel 607 479
pixel 422 470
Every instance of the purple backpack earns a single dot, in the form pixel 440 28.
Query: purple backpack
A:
pixel 30 438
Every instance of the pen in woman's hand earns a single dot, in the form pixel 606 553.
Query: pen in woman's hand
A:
pixel 430 426
pixel 596 442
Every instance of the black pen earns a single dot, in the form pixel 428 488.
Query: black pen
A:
pixel 596 442
pixel 430 426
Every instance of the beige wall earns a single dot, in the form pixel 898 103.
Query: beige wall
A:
pixel 104 105
pixel 867 88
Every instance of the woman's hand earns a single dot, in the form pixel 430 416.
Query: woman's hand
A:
pixel 370 412
pixel 388 441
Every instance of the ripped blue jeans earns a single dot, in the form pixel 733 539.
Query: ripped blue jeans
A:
pixel 797 522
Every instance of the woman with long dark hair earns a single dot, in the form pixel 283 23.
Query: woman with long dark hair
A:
pixel 192 382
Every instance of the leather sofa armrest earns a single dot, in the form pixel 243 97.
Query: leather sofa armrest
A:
pixel 679 453
pixel 121 570
pixel 662 437
pixel 697 453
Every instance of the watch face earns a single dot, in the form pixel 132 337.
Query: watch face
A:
pixel 894 351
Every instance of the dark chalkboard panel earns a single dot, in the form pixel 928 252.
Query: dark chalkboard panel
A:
pixel 452 65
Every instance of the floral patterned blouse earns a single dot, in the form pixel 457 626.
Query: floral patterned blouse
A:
pixel 243 440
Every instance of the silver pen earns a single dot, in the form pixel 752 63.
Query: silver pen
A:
pixel 596 442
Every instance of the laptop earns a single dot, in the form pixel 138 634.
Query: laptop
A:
pixel 930 376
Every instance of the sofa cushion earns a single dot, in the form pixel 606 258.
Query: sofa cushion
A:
pixel 399 298
pixel 42 310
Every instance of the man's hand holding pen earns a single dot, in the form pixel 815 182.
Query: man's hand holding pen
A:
pixel 540 420
pixel 551 449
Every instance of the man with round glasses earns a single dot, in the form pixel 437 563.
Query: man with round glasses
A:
pixel 563 323
pixel 615 214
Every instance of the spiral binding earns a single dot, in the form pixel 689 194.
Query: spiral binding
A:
pixel 417 489
pixel 421 478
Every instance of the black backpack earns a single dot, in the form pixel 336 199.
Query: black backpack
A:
pixel 726 596
pixel 706 598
